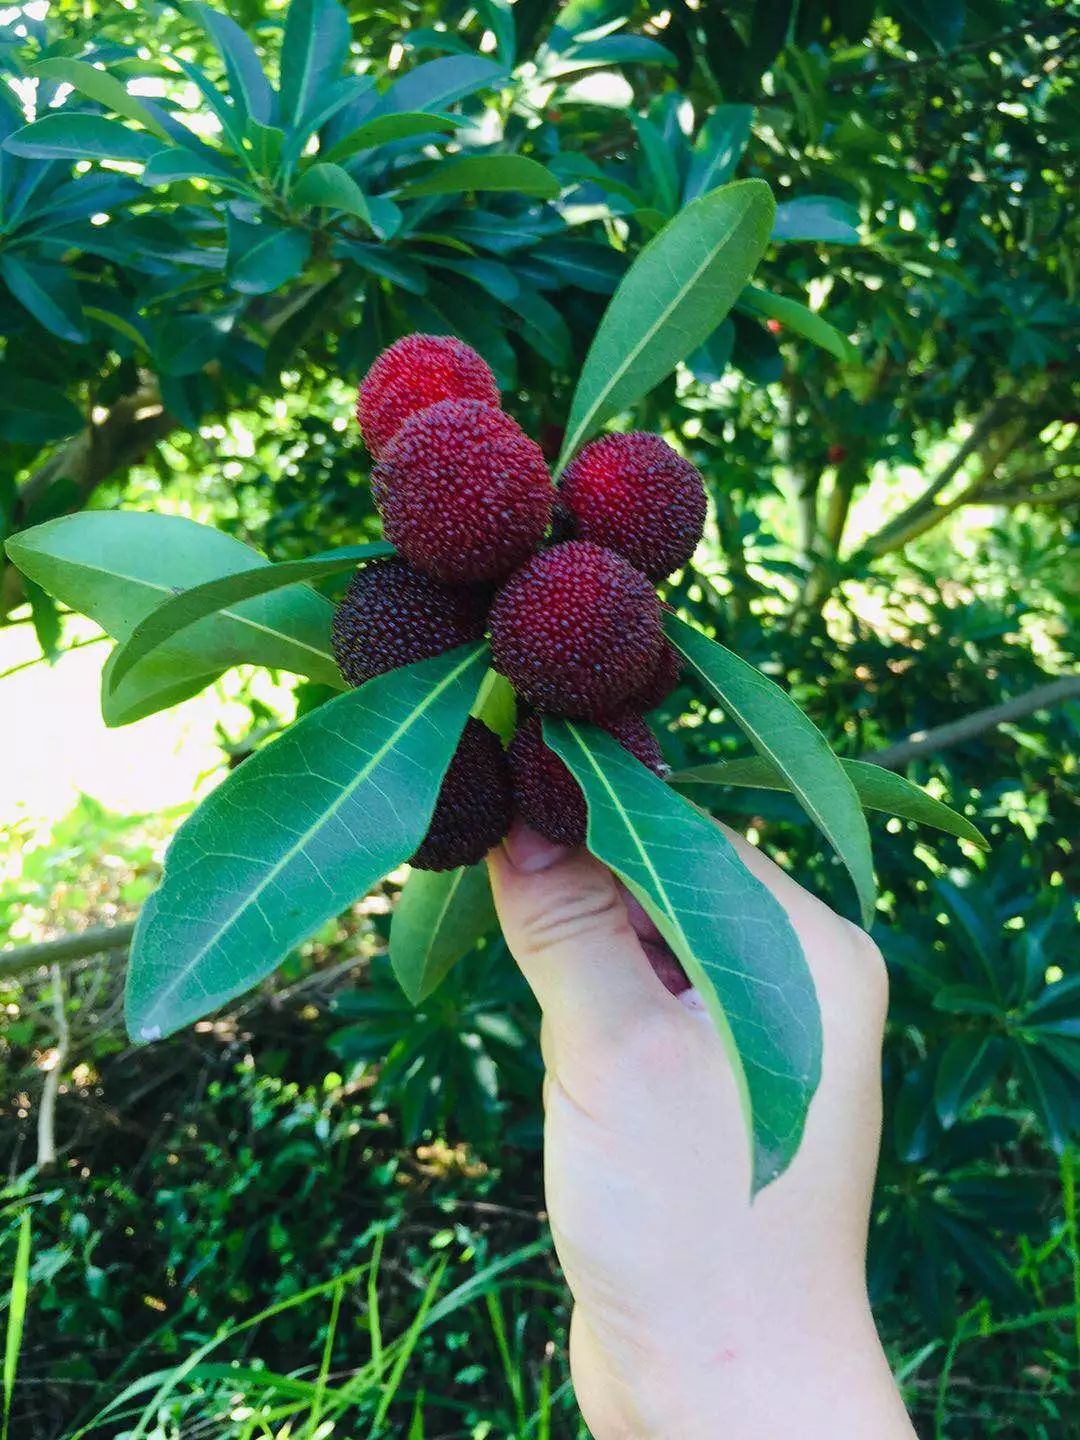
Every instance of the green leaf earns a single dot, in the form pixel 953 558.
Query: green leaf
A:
pixel 817 217
pixel 592 267
pixel 409 125
pixel 400 270
pixel 330 185
pixel 499 16
pixel 798 318
pixel 709 361
pixel 117 566
pixel 441 82
pixel 183 344
pixel 63 136
pixel 732 935
pixel 438 919
pixel 31 412
pixel 49 293
pixel 942 20
pixel 876 788
pixel 248 85
pixel 264 257
pixel 660 165
pixel 99 85
pixel 486 172
pixel 783 735
pixel 968 1064
pixel 177 163
pixel 617 50
pixel 264 144
pixel 671 299
pixel 303 828
pixel 193 604
pixel 718 149
pixel 16 1307
pixel 313 51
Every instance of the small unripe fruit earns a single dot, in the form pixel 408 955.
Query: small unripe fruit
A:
pixel 463 492
pixel 414 373
pixel 392 615
pixel 635 494
pixel 547 796
pixel 475 804
pixel 575 630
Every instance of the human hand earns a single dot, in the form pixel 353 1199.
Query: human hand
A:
pixel 698 1313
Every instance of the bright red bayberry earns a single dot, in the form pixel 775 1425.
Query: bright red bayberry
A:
pixel 547 796
pixel 475 804
pixel 393 615
pixel 414 373
pixel 635 494
pixel 575 630
pixel 464 493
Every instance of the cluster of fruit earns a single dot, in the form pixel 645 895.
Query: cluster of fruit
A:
pixel 563 580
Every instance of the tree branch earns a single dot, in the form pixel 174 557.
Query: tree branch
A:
pixel 1044 24
pixel 95 941
pixel 928 742
pixel 894 534
pixel 46 1126
pixel 125 437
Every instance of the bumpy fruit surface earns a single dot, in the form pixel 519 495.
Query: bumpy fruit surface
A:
pixel 546 794
pixel 392 615
pixel 463 492
pixel 635 494
pixel 662 681
pixel 475 804
pixel 575 630
pixel 414 373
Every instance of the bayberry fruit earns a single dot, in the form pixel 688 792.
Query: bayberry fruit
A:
pixel 635 494
pixel 414 373
pixel 463 492
pixel 575 630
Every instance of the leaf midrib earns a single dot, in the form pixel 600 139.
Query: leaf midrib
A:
pixel 573 438
pixel 805 799
pixel 232 615
pixel 302 840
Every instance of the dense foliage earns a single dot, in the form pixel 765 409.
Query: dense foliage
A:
pixel 884 424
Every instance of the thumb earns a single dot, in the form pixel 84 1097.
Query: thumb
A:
pixel 566 923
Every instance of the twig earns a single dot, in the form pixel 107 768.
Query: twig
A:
pixel 927 742
pixel 1044 23
pixel 95 941
pixel 46 1127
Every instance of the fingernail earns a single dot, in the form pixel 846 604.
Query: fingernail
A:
pixel 530 852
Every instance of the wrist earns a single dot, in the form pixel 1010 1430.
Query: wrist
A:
pixel 822 1377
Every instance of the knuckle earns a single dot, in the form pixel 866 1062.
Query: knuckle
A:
pixel 570 917
pixel 869 965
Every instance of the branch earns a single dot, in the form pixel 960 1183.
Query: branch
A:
pixel 928 742
pixel 95 941
pixel 894 533
pixel 125 437
pixel 1044 24
pixel 46 1126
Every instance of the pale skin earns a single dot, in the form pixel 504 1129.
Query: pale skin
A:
pixel 699 1315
